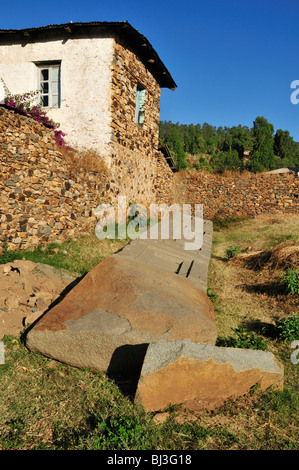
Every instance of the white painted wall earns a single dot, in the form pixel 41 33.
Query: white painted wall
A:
pixel 2 93
pixel 85 114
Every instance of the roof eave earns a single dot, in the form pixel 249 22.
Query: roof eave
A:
pixel 138 42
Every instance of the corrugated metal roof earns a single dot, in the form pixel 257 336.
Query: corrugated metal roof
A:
pixel 122 29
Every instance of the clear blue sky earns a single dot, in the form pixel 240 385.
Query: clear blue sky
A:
pixel 233 60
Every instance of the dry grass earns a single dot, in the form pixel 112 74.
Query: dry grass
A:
pixel 283 256
pixel 193 174
pixel 246 175
pixel 83 160
pixel 248 286
pixel 47 405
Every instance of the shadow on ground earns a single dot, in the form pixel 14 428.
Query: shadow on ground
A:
pixel 125 367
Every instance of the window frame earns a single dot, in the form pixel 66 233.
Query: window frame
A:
pixel 140 104
pixel 50 66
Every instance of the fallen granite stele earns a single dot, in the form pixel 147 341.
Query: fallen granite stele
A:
pixel 110 317
pixel 146 309
pixel 199 376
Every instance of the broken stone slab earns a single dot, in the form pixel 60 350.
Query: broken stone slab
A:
pixel 202 375
pixel 27 290
pixel 119 305
pixel 172 256
pixel 18 265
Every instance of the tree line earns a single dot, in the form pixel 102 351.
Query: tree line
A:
pixel 237 148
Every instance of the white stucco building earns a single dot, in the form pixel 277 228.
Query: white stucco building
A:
pixel 101 81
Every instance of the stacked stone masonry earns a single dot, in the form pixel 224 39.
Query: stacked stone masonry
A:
pixel 127 73
pixel 42 199
pixel 244 195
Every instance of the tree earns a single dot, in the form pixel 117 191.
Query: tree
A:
pixel 227 145
pixel 210 136
pixel 227 161
pixel 262 155
pixel 171 136
pixel 240 138
pixel 283 144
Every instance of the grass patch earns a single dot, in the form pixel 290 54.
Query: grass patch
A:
pixel 76 256
pixel 220 223
pixel 48 405
pixel 243 339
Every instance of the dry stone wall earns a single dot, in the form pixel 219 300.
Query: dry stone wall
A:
pixel 42 199
pixel 143 180
pixel 127 72
pixel 242 195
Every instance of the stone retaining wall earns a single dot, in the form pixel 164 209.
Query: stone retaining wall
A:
pixel 42 199
pixel 242 195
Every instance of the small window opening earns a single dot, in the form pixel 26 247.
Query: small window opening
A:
pixel 49 85
pixel 140 101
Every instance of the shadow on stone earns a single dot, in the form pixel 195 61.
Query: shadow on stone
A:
pixel 125 367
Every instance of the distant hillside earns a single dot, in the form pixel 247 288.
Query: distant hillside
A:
pixel 230 148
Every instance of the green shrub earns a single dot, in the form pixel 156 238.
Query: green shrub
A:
pixel 211 295
pixel 244 340
pixel 232 251
pixel 7 255
pixel 290 280
pixel 121 432
pixel 288 328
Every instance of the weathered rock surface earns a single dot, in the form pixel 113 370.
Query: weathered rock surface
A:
pixel 27 290
pixel 171 254
pixel 116 310
pixel 201 375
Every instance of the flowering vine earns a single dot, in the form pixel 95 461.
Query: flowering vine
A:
pixel 25 103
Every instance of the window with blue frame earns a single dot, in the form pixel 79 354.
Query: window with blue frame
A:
pixel 140 101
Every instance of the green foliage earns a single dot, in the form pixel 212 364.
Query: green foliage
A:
pixel 121 432
pixel 255 163
pixel 229 160
pixel 262 156
pixel 286 149
pixel 226 146
pixel 7 256
pixel 170 135
pixel 202 164
pixel 288 328
pixel 225 222
pixel 240 139
pixel 290 280
pixel 244 340
pixel 211 295
pixel 232 251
